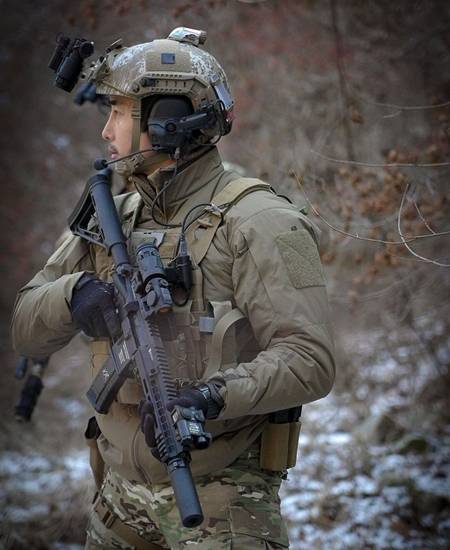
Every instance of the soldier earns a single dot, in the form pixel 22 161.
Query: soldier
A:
pixel 253 334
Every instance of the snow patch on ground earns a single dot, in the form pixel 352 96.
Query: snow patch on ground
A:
pixel 345 495
pixel 34 475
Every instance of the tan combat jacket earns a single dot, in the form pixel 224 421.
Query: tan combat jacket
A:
pixel 263 260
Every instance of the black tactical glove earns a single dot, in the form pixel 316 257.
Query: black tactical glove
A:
pixel 204 397
pixel 93 308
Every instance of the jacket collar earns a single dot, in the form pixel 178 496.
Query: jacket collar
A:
pixel 197 182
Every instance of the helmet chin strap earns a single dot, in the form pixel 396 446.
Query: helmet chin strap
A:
pixel 136 128
pixel 138 162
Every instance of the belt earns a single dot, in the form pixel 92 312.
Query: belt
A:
pixel 112 521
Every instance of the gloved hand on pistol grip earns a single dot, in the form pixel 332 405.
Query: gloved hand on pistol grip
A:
pixel 205 398
pixel 93 308
pixel 188 397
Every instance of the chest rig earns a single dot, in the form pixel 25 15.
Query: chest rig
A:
pixel 204 341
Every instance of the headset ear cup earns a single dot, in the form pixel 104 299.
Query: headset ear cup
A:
pixel 163 111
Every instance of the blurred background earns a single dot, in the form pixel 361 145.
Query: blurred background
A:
pixel 342 106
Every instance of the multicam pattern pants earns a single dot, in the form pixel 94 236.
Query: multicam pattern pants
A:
pixel 240 504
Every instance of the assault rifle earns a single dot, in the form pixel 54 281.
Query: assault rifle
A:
pixel 32 387
pixel 145 304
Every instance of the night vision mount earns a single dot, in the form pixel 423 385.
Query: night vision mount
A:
pixel 67 60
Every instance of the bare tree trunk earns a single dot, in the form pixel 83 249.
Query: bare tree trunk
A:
pixel 345 96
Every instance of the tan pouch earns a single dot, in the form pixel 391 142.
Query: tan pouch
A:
pixel 279 444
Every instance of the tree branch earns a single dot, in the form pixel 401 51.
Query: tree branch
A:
pixel 398 107
pixel 355 235
pixel 399 228
pixel 381 165
pixel 424 221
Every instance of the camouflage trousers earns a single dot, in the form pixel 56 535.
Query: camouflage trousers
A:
pixel 240 504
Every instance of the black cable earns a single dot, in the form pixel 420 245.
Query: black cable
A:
pixel 184 227
pixel 205 204
pixel 163 190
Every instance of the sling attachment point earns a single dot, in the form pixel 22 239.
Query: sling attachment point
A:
pixel 218 336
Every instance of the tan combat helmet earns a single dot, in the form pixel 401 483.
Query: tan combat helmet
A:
pixel 172 66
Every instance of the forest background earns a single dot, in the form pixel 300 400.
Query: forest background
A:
pixel 344 107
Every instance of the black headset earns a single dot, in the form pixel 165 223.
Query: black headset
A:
pixel 172 123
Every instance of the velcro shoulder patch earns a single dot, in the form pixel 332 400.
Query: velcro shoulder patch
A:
pixel 300 254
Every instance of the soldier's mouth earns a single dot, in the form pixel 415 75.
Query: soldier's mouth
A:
pixel 113 152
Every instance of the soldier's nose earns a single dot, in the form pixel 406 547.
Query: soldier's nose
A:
pixel 107 133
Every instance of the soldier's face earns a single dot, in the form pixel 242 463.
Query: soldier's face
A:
pixel 118 129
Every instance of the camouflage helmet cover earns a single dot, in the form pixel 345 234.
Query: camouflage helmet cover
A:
pixel 173 66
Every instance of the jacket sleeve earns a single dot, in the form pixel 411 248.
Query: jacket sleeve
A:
pixel 42 322
pixel 279 285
